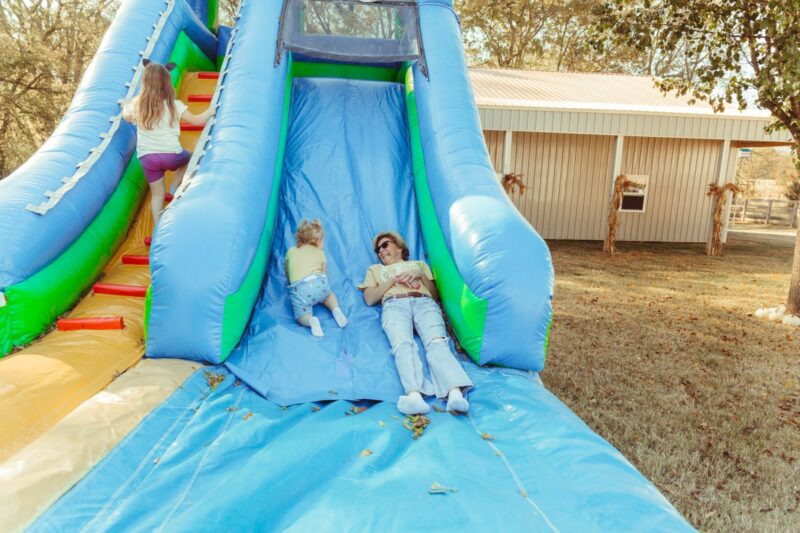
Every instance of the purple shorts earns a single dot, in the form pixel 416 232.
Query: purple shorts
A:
pixel 154 165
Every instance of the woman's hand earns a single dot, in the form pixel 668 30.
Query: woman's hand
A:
pixel 410 279
pixel 374 294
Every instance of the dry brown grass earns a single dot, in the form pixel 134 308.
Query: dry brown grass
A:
pixel 655 349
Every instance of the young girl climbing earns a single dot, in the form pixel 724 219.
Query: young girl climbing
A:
pixel 308 280
pixel 157 115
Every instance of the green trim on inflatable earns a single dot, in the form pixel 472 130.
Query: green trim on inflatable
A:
pixel 213 15
pixel 304 69
pixel 467 312
pixel 187 56
pixel 239 305
pixel 148 302
pixel 36 302
pixel 33 304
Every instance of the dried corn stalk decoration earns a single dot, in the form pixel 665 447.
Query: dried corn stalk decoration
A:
pixel 621 184
pixel 717 195
pixel 513 181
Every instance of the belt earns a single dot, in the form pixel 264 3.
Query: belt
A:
pixel 405 295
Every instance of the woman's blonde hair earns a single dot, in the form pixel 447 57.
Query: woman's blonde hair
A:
pixel 309 232
pixel 157 91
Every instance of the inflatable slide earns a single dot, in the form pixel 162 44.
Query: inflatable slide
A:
pixel 360 114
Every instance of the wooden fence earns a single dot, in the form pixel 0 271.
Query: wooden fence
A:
pixel 777 212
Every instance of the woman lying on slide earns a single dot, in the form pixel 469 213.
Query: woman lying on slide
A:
pixel 408 295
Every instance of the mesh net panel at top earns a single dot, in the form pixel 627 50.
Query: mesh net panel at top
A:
pixel 349 30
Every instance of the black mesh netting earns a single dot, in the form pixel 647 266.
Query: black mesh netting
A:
pixel 352 30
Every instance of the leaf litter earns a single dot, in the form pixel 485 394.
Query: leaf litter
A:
pixel 436 488
pixel 416 424
pixel 214 379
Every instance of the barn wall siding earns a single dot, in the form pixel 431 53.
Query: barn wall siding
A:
pixel 568 177
pixel 680 171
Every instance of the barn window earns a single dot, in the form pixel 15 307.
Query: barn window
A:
pixel 634 197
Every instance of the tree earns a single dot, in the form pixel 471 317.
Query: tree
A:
pixel 792 189
pixel 742 48
pixel 505 33
pixel 46 45
pixel 556 35
pixel 764 164
pixel 227 11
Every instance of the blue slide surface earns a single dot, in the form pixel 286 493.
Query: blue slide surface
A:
pixel 227 459
pixel 347 163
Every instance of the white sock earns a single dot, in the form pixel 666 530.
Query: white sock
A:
pixel 316 328
pixel 339 317
pixel 457 402
pixel 412 404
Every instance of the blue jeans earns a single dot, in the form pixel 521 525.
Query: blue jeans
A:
pixel 399 318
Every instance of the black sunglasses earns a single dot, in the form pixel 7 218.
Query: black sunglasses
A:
pixel 383 245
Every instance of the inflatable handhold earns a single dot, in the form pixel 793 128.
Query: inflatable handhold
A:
pixel 96 323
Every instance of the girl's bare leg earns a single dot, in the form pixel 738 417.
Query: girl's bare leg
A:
pixel 177 178
pixel 156 200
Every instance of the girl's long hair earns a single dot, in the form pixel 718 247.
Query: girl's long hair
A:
pixel 157 91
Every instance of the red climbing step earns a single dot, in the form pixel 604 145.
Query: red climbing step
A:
pixel 185 126
pixel 148 241
pixel 200 97
pixel 120 290
pixel 168 197
pixel 106 322
pixel 135 260
pixel 208 75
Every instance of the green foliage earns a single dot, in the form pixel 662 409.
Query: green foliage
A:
pixel 46 46
pixel 555 35
pixel 764 165
pixel 739 48
pixel 792 189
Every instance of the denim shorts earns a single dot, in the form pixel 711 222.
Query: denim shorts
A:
pixel 307 292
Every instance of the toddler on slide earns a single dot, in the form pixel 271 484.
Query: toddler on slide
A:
pixel 308 280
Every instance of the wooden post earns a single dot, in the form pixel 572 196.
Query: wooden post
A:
pixel 769 213
pixel 795 209
pixel 507 144
pixel 744 210
pixel 616 165
pixel 719 180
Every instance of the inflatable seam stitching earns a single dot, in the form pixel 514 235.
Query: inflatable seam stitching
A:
pixel 95 153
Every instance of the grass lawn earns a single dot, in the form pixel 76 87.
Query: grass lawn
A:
pixel 658 351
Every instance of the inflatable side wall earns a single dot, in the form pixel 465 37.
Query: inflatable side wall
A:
pixel 494 271
pixel 67 208
pixel 503 309
pixel 210 254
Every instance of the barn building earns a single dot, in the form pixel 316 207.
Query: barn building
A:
pixel 569 135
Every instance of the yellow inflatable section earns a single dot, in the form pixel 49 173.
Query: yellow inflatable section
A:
pixel 42 383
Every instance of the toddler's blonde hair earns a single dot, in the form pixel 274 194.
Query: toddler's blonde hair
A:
pixel 309 232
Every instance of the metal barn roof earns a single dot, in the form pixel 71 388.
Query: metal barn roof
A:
pixel 606 104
